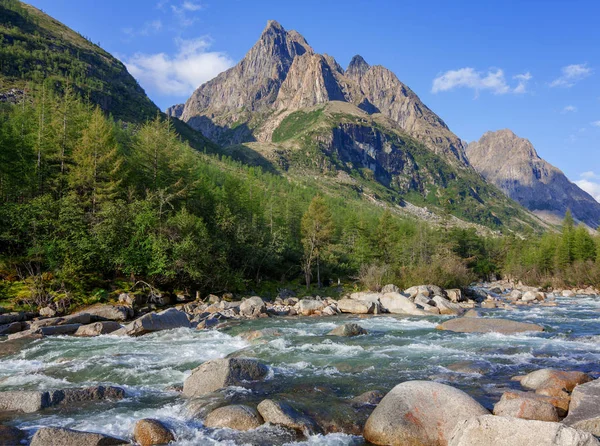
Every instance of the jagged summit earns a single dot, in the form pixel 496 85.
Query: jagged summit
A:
pixel 282 73
pixel 513 164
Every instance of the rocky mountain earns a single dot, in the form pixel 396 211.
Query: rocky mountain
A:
pixel 281 74
pixel 513 165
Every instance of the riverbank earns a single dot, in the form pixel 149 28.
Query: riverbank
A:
pixel 316 374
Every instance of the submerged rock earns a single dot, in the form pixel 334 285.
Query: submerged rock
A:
pixel 237 416
pixel 370 398
pixel 526 408
pixel 348 330
pixel 11 436
pixel 219 373
pixel 487 325
pixel 257 334
pixel 584 411
pixel 508 431
pixel 420 413
pixel 282 414
pixel 467 366
pixel 151 432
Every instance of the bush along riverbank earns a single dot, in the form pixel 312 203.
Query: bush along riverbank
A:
pixel 550 406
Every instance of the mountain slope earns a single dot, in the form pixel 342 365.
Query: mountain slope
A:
pixel 512 164
pixel 281 74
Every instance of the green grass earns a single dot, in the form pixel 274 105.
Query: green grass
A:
pixel 295 123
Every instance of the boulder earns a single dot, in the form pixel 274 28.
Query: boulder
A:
pixel 78 318
pixel 59 329
pixel 252 307
pixel 584 411
pixel 472 313
pixel 97 328
pixel 561 404
pixel 568 293
pixel 505 431
pixel 59 436
pixel 420 413
pixel 47 312
pixel 151 322
pixel 27 401
pixel 396 303
pixel 531 296
pixel 390 288
pixel 9 318
pixel 27 334
pixel 105 312
pixel 515 295
pixel 526 408
pixel 488 304
pixel 419 289
pixel 306 307
pixel 237 416
pixel 554 379
pixel 348 330
pixel 487 325
pixel 132 300
pixel 455 295
pixel 8 329
pixel 447 307
pixel 356 306
pixel 11 436
pixel 150 432
pixel 68 397
pixel 219 373
pixel 366 296
pixel 282 414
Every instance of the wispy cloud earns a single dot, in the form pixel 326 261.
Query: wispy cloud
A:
pixel 523 80
pixel 180 74
pixel 596 123
pixel 493 80
pixel 569 109
pixel 590 182
pixel 571 74
pixel 150 27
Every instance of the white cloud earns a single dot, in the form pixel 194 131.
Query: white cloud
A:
pixel 596 123
pixel 181 73
pixel 184 10
pixel 571 74
pixel 522 85
pixel 590 182
pixel 492 80
pixel 569 109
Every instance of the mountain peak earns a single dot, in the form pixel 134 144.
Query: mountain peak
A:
pixel 273 25
pixel 357 67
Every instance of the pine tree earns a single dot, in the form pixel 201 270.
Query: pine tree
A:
pixel 317 233
pixel 564 253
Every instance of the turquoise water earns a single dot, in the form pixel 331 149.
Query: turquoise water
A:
pixel 308 368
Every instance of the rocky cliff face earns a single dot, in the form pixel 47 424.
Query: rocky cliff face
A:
pixel 512 164
pixel 282 74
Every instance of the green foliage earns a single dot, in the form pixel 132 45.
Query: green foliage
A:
pixel 293 124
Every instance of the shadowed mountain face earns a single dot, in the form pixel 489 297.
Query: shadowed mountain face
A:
pixel 513 165
pixel 281 74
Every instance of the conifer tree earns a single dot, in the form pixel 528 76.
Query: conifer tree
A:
pixel 317 233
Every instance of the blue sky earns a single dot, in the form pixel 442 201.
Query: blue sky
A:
pixel 531 65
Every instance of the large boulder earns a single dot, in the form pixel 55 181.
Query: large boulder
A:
pixel 396 303
pixel 151 432
pixel 253 307
pixel 282 414
pixel 356 306
pixel 97 328
pixel 12 328
pixel 78 318
pixel 487 325
pixel 27 401
pixel 348 330
pixel 554 379
pixel 455 295
pixel 532 296
pixel 506 431
pixel 390 288
pixel 219 373
pixel 47 312
pixel 237 416
pixel 11 436
pixel 526 408
pixel 447 307
pixel 58 436
pixel 584 411
pixel 151 322
pixel 105 312
pixel 420 413
pixel 306 307
pixel 561 404
pixel 366 296
pixel 68 397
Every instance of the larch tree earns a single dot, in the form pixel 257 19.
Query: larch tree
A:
pixel 317 232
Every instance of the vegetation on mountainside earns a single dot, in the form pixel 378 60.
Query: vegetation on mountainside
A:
pixel 37 48
pixel 89 207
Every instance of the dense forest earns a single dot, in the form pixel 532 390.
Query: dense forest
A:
pixel 91 205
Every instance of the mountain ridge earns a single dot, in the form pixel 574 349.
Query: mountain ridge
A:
pixel 513 165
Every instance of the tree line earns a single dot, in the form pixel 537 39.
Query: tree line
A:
pixel 90 205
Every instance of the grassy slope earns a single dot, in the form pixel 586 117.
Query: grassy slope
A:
pixel 299 149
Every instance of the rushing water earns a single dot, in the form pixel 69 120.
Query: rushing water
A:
pixel 307 367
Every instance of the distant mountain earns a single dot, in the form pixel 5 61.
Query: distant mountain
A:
pixel 512 164
pixel 281 74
